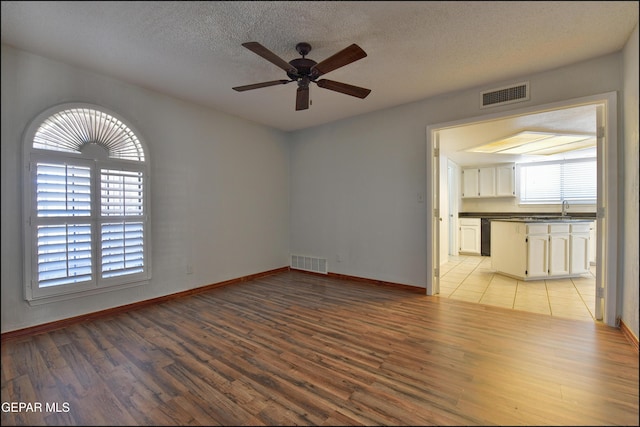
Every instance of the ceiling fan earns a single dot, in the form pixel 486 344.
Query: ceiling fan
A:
pixel 305 71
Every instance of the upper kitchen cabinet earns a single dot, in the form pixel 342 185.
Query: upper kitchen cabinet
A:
pixel 489 181
pixel 506 180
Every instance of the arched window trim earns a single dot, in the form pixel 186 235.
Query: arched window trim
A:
pixel 108 166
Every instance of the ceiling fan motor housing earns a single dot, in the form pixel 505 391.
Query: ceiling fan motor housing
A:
pixel 303 65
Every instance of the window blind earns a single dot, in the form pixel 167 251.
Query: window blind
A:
pixel 552 182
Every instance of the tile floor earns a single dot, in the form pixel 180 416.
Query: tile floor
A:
pixel 470 278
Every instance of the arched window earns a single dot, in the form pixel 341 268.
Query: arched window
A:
pixel 85 203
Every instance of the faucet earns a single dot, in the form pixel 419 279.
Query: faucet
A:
pixel 565 206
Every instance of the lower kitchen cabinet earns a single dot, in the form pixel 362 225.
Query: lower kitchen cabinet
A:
pixel 537 250
pixel 580 248
pixel 533 251
pixel 469 235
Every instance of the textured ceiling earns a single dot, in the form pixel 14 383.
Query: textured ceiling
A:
pixel 192 50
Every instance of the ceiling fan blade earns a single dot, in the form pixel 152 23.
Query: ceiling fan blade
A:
pixel 258 49
pixel 340 59
pixel 259 85
pixel 302 98
pixel 358 92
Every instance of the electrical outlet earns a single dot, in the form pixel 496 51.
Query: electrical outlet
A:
pixel 420 198
pixel 189 269
pixel 338 258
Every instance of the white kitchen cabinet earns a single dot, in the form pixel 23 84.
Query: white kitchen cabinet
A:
pixel 559 249
pixel 506 181
pixel 580 248
pixel 489 181
pixel 469 235
pixel 537 256
pixel 470 183
pixel 538 250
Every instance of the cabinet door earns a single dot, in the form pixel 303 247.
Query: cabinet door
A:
pixel 470 182
pixel 538 255
pixel 559 252
pixel 487 182
pixel 579 253
pixel 506 181
pixel 470 239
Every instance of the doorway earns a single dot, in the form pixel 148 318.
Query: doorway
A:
pixel 606 209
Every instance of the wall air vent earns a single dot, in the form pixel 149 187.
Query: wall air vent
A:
pixel 504 95
pixel 307 263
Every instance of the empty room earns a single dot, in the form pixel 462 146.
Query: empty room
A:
pixel 320 213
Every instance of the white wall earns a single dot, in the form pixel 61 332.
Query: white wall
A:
pixel 354 186
pixel 630 152
pixel 219 186
pixel 354 182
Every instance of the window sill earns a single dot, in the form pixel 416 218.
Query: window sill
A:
pixel 36 301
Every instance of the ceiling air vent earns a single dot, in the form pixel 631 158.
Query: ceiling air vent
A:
pixel 504 95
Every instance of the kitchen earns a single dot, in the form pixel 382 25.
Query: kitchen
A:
pixel 485 182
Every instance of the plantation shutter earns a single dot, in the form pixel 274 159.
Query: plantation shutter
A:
pixel 122 228
pixel 63 236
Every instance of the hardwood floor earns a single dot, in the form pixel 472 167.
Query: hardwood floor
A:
pixel 300 349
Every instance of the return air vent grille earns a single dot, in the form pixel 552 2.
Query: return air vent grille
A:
pixel 504 95
pixel 307 263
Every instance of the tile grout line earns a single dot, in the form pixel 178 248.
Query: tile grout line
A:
pixel 483 293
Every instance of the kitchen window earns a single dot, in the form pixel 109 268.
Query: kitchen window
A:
pixel 86 204
pixel 574 181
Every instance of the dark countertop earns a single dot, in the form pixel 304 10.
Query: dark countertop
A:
pixel 531 216
pixel 544 220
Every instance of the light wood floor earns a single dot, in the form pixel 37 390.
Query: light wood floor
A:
pixel 300 349
pixel 471 278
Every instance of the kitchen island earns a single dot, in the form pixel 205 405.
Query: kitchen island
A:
pixel 540 248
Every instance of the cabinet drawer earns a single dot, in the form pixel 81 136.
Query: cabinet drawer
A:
pixel 537 228
pixel 583 227
pixel 559 228
pixel 469 221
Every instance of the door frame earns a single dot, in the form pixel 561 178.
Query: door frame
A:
pixel 607 205
pixel 453 171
